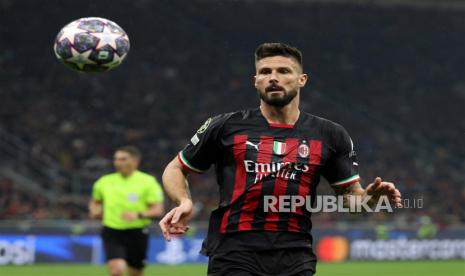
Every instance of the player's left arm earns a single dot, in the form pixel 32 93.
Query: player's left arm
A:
pixel 342 172
pixel 372 194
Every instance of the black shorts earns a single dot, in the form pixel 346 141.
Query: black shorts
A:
pixel 282 262
pixel 130 245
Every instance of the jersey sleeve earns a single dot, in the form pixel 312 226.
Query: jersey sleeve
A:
pixel 97 190
pixel 155 192
pixel 202 149
pixel 342 168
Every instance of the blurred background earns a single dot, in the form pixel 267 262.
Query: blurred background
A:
pixel 391 72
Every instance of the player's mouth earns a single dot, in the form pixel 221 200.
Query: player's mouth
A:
pixel 274 88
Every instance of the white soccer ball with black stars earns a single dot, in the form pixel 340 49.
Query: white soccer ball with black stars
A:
pixel 91 44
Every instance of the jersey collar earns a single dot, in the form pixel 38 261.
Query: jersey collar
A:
pixel 277 125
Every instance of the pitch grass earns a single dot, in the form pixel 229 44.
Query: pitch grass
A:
pixel 417 268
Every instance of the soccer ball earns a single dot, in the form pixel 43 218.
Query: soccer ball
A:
pixel 91 44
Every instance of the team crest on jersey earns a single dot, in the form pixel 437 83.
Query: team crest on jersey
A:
pixel 303 150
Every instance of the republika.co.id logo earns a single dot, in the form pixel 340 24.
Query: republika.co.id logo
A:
pixel 331 203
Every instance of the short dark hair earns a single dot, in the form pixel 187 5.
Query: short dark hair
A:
pixel 132 150
pixel 278 49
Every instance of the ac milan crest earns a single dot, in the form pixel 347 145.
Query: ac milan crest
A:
pixel 303 150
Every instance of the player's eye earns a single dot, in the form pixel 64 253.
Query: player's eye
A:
pixel 264 71
pixel 284 70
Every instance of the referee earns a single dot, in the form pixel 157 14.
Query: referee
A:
pixel 127 200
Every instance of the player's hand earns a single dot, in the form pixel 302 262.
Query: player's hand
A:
pixel 379 188
pixel 95 212
pixel 95 215
pixel 129 216
pixel 176 221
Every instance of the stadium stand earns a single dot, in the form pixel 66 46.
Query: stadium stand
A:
pixel 397 85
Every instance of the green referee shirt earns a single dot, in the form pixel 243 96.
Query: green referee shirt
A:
pixel 126 194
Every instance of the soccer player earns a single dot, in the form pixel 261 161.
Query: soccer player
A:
pixel 273 150
pixel 130 200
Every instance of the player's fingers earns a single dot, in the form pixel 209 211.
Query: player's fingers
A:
pixel 181 223
pixel 395 194
pixel 378 188
pixel 390 186
pixel 177 230
pixel 167 218
pixel 374 186
pixel 177 215
pixel 385 188
pixel 165 223
pixel 395 199
pixel 164 230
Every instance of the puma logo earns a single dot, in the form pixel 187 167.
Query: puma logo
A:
pixel 255 146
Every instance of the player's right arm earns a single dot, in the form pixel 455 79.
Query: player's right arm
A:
pixel 95 209
pixel 95 203
pixel 176 187
pixel 196 157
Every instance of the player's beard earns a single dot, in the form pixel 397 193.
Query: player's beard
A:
pixel 277 100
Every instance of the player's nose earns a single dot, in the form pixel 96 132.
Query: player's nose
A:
pixel 273 77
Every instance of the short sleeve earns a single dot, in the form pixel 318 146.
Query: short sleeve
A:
pixel 97 190
pixel 155 192
pixel 342 168
pixel 202 149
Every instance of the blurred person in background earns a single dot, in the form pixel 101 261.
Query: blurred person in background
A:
pixel 127 201
pixel 427 229
pixel 382 232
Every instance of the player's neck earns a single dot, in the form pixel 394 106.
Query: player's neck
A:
pixel 288 114
pixel 127 174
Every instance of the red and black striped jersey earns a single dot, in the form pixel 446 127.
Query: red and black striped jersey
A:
pixel 254 159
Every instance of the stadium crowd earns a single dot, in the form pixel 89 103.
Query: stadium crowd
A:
pixel 393 76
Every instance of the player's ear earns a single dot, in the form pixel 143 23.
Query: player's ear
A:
pixel 137 162
pixel 255 80
pixel 303 78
